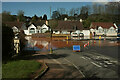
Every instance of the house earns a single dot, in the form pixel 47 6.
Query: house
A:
pixel 67 27
pixel 37 27
pixel 86 32
pixel 103 28
pixel 16 26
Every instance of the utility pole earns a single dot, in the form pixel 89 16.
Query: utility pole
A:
pixel 50 11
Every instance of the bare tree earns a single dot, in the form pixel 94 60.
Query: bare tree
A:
pixel 72 12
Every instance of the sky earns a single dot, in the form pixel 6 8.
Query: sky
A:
pixel 41 8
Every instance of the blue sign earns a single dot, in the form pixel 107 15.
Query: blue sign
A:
pixel 76 47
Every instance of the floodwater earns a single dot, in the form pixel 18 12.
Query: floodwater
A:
pixel 45 44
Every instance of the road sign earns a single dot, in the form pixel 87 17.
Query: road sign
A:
pixel 76 48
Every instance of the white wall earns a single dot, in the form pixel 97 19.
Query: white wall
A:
pixel 26 32
pixel 86 32
pixel 15 29
pixel 65 32
pixel 44 28
pixel 111 32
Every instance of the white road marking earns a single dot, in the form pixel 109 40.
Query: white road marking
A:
pixel 75 67
pixel 83 58
pixel 96 64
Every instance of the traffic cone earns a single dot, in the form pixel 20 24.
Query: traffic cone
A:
pixel 88 43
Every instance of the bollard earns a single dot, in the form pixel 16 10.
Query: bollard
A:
pixel 67 38
pixel 99 37
pixel 51 51
pixel 67 42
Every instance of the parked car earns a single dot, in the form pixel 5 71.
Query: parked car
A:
pixel 81 34
pixel 74 34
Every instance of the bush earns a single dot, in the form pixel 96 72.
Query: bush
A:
pixel 7 42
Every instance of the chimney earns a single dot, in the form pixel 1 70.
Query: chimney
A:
pixel 65 19
pixel 81 20
pixel 46 22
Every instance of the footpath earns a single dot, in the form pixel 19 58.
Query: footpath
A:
pixel 57 70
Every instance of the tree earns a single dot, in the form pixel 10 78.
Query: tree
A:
pixel 53 24
pixel 6 16
pixel 72 12
pixel 45 17
pixel 34 18
pixel 20 16
pixel 84 12
pixel 55 15
pixel 7 42
pixel 61 11
pixel 40 18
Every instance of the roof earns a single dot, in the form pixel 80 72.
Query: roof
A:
pixel 102 24
pixel 40 23
pixel 69 25
pixel 12 24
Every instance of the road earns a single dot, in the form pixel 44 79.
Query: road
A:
pixel 88 63
pixel 98 60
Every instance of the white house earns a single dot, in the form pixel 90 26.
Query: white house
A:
pixel 31 30
pixel 44 28
pixel 15 29
pixel 36 28
pixel 103 28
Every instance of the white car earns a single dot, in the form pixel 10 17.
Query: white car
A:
pixel 74 34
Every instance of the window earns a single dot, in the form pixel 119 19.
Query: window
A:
pixel 32 30
pixel 97 27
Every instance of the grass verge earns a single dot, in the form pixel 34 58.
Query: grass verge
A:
pixel 20 69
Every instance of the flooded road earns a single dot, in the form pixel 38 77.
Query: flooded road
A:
pixel 98 59
pixel 105 47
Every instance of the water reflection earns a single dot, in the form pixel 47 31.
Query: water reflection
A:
pixel 45 44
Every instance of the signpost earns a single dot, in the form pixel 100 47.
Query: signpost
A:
pixel 76 48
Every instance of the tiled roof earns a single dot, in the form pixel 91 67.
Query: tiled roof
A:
pixel 69 25
pixel 39 23
pixel 102 24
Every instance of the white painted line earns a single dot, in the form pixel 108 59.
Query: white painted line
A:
pixel 75 67
pixel 83 58
pixel 96 64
